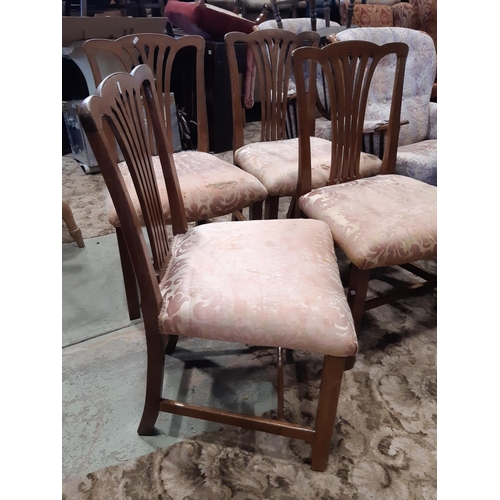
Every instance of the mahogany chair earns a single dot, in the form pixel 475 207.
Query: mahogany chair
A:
pixel 247 282
pixel 210 187
pixel 74 231
pixel 274 159
pixel 384 220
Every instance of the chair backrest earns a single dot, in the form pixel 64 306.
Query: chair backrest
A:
pixel 159 52
pixel 117 110
pixel 420 75
pixel 272 55
pixel 348 68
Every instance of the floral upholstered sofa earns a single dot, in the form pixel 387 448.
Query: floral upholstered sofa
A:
pixel 414 14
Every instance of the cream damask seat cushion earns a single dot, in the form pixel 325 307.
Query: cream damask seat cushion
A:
pixel 380 221
pixel 253 287
pixel 275 164
pixel 210 187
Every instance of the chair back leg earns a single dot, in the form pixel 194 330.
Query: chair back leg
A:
pixel 356 295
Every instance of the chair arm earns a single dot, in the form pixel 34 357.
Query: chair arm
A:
pixel 371 126
pixel 432 128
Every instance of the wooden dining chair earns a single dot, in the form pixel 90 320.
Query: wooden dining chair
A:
pixel 384 220
pixel 269 283
pixel 211 187
pixel 274 159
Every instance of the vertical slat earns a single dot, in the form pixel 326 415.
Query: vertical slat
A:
pixel 272 50
pixel 348 69
pixel 236 90
pixel 281 406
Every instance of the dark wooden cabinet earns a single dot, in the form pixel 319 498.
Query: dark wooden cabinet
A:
pixel 218 89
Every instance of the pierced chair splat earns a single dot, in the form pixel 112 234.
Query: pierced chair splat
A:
pixel 212 275
pixel 379 221
pixel 210 186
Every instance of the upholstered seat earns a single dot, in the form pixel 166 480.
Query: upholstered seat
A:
pixel 385 220
pixel 210 187
pixel 378 221
pixel 275 164
pixel 253 286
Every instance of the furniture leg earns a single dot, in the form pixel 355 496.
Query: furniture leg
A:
pixel 331 380
pixel 74 231
pixel 154 382
pixel 131 291
pixel 356 295
pixel 271 207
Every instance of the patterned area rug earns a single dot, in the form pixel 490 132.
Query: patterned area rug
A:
pixel 384 445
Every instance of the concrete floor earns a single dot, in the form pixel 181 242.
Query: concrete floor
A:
pixel 104 369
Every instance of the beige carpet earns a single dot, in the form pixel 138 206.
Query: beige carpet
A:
pixel 86 193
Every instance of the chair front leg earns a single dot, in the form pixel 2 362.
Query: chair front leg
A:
pixel 331 380
pixel 156 347
pixel 271 207
pixel 255 211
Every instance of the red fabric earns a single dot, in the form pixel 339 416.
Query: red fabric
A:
pixel 204 20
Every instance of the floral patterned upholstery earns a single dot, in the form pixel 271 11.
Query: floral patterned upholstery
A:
pixel 432 131
pixel 268 283
pixel 419 77
pixel 210 187
pixel 382 13
pixel 419 161
pixel 405 16
pixel 415 14
pixel 275 164
pixel 379 221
